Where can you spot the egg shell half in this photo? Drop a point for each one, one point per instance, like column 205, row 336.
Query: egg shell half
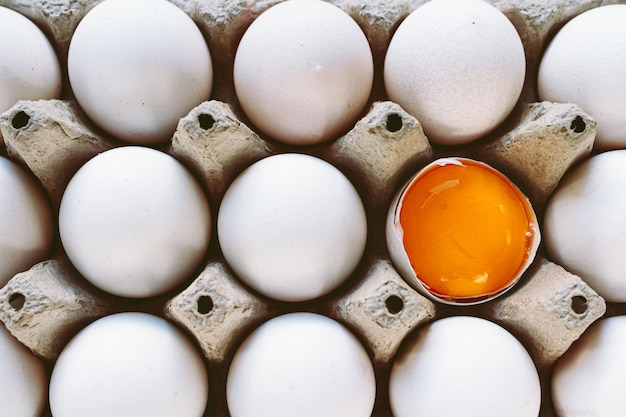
column 397, row 252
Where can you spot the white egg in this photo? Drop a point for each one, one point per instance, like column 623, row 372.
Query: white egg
column 23, row 380
column 584, row 223
column 136, row 67
column 128, row 365
column 458, row 66
column 301, row 364
column 585, row 64
column 303, row 72
column 464, row 366
column 292, row 227
column 26, row 224
column 135, row 222
column 30, row 68
column 589, row 379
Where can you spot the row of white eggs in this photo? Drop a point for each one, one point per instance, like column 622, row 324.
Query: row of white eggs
column 410, row 406
column 458, row 67
column 131, row 364
column 297, row 363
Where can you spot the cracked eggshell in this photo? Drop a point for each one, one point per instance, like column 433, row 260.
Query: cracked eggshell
column 395, row 246
column 398, row 254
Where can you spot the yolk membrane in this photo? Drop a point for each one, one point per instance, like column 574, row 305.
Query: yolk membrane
column 466, row 230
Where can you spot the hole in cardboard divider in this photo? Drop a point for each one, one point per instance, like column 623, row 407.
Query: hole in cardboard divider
column 579, row 304
column 17, row 300
column 394, row 304
column 206, row 121
column 394, row 122
column 20, row 120
column 205, row 304
column 578, row 125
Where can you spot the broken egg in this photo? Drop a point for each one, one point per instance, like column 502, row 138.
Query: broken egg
column 461, row 232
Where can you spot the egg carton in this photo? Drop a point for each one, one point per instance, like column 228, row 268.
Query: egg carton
column 548, row 310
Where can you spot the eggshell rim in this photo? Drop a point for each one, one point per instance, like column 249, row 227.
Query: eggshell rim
column 401, row 261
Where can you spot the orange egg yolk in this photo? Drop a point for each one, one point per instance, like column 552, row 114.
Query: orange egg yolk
column 466, row 230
